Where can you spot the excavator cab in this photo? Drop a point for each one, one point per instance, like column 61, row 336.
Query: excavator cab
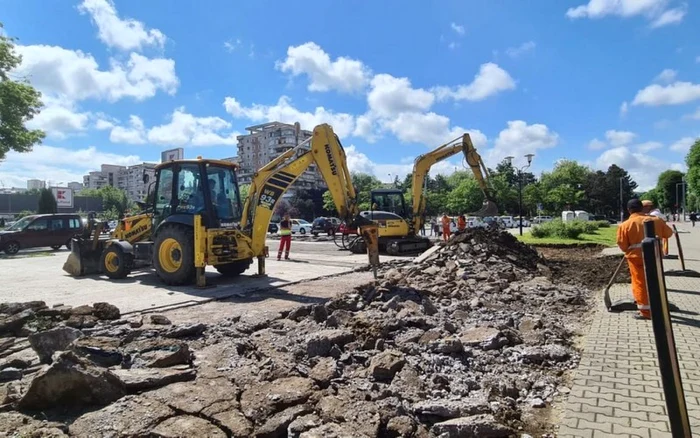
column 391, row 200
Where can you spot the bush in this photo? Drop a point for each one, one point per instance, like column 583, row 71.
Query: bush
column 590, row 227
column 558, row 228
column 603, row 224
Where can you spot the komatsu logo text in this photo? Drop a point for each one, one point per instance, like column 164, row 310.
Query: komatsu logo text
column 135, row 231
column 331, row 161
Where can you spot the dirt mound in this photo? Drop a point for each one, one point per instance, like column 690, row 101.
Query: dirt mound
column 480, row 242
column 584, row 266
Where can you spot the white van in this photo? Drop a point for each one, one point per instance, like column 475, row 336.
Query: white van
column 508, row 221
column 541, row 219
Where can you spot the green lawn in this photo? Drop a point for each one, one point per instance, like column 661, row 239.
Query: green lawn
column 604, row 236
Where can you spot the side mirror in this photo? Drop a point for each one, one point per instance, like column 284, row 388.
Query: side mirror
column 146, row 177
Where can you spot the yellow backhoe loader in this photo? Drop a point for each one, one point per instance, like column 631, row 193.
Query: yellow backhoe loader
column 197, row 218
column 398, row 227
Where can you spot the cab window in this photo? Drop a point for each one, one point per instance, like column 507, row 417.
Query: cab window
column 38, row 225
column 74, row 223
column 223, row 190
column 189, row 192
column 164, row 192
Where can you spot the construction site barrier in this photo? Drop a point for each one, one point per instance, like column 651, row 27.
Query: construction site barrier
column 663, row 334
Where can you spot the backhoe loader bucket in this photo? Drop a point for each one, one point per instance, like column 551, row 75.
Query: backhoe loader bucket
column 83, row 259
column 488, row 209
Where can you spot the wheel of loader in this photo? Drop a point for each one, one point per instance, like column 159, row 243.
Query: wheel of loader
column 234, row 269
column 114, row 263
column 173, row 254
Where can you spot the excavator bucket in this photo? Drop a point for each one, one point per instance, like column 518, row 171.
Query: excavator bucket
column 370, row 234
column 83, row 259
column 488, row 209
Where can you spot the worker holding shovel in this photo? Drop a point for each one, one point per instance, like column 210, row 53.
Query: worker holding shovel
column 629, row 239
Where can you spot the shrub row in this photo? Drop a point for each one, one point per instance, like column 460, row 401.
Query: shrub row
column 567, row 230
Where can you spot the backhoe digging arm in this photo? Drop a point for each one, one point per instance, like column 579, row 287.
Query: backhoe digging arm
column 272, row 181
column 483, row 177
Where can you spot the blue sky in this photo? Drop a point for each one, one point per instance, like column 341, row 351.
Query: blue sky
column 599, row 81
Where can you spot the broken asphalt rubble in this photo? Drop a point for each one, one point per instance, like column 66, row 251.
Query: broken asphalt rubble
column 472, row 340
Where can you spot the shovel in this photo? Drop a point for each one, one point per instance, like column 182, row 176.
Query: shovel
column 606, row 296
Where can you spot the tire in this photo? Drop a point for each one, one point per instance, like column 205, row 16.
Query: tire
column 173, row 255
column 315, row 234
column 234, row 269
column 302, row 231
column 114, row 263
column 56, row 247
column 12, row 248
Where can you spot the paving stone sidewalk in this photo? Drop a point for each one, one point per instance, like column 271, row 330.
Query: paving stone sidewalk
column 617, row 388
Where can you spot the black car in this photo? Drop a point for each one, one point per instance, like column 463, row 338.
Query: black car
column 272, row 228
column 328, row 225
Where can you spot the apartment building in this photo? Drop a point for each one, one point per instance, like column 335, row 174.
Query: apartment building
column 127, row 178
column 264, row 143
column 35, row 184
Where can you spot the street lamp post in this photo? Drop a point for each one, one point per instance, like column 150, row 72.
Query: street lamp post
column 520, row 187
column 681, row 204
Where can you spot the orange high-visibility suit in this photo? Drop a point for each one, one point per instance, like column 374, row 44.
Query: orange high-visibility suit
column 629, row 238
column 446, row 233
column 461, row 223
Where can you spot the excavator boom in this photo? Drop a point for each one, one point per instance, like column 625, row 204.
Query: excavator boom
column 272, row 181
column 424, row 162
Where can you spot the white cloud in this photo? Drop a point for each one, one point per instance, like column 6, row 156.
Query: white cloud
column 344, row 74
column 102, row 124
column 697, row 59
column 283, row 111
column 186, row 129
column 522, row 49
column 622, row 8
column 683, row 145
column 429, row 129
column 74, row 75
column 671, row 16
column 693, row 116
column 134, row 134
column 490, row 80
column 232, row 45
column 360, row 162
column 667, row 75
column 619, row 138
column 624, row 108
column 596, row 145
column 519, row 139
column 59, row 119
column 649, row 146
column 673, row 94
column 389, row 96
column 365, row 128
column 123, row 34
column 56, row 164
column 459, row 29
column 643, row 168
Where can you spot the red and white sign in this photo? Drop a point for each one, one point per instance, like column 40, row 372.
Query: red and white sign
column 64, row 196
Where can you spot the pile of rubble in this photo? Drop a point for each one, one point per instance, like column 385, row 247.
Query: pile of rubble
column 468, row 341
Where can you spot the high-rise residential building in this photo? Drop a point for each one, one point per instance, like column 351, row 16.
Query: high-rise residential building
column 35, row 184
column 128, row 178
column 265, row 142
column 75, row 186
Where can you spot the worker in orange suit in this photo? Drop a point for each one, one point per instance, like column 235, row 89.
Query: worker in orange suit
column 629, row 239
column 461, row 223
column 446, row 233
column 652, row 211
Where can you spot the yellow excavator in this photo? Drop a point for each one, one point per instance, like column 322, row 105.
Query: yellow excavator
column 398, row 227
column 197, row 218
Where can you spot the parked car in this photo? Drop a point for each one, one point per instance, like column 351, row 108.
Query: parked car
column 508, row 221
column 541, row 219
column 272, row 228
column 475, row 222
column 516, row 222
column 301, row 226
column 599, row 217
column 52, row 230
column 328, row 225
column 344, row 229
column 494, row 222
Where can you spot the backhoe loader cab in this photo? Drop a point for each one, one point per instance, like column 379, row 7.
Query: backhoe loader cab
column 389, row 200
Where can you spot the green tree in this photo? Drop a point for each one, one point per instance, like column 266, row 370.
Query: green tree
column 19, row 103
column 24, row 213
column 692, row 161
column 89, row 193
column 114, row 199
column 666, row 186
column 47, row 202
column 654, row 195
column 244, row 189
column 464, row 198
